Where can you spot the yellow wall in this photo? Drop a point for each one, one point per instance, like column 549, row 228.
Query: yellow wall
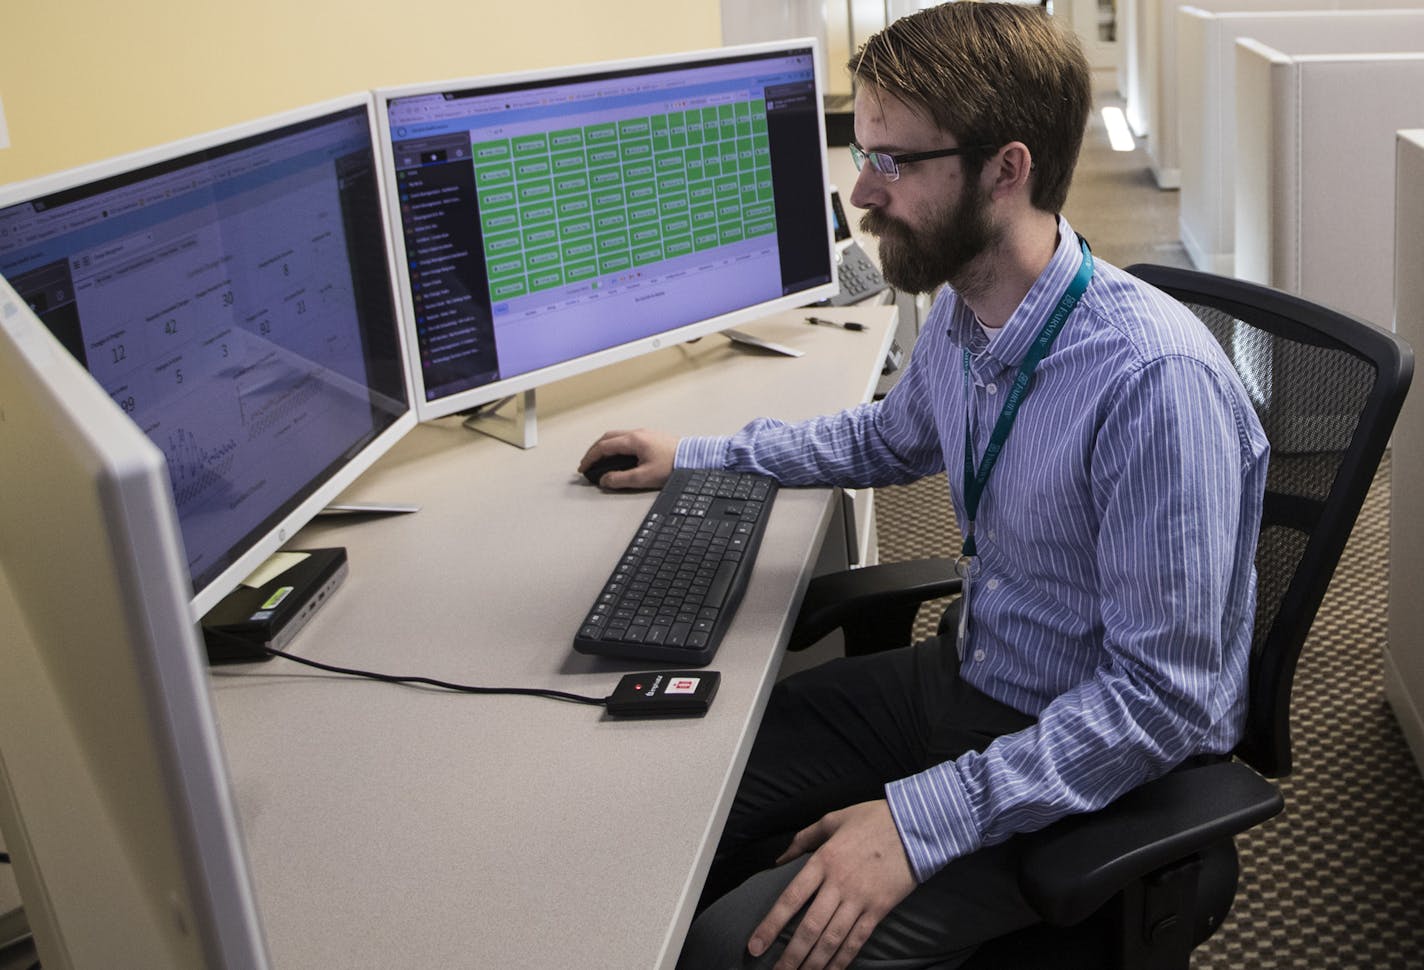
column 83, row 80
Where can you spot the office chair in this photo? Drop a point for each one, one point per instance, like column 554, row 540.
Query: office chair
column 1146, row 879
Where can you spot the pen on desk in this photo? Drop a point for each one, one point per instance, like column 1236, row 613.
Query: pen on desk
column 835, row 323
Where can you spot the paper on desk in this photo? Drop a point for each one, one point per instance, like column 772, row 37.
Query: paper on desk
column 276, row 565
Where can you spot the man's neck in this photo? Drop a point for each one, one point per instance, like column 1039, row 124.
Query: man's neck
column 998, row 280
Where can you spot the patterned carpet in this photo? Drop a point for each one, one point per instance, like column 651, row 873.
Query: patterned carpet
column 1337, row 881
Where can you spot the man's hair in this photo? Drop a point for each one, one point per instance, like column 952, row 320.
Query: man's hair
column 990, row 74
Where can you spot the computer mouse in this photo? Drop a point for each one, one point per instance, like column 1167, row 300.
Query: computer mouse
column 609, row 463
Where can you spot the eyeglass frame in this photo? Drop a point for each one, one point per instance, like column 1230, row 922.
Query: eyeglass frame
column 860, row 156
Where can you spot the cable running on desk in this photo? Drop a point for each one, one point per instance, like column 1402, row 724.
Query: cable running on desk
column 418, row 680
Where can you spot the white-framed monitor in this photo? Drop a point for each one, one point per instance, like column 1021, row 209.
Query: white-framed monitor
column 233, row 293
column 549, row 222
column 114, row 798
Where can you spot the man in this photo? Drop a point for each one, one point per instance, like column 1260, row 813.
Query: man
column 1110, row 515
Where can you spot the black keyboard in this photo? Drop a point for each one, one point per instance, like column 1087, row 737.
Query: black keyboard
column 673, row 593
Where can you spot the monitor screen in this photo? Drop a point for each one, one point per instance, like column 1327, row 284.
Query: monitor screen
column 115, row 803
column 233, row 295
column 550, row 222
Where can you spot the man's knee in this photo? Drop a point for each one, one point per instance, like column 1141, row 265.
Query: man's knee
column 718, row 937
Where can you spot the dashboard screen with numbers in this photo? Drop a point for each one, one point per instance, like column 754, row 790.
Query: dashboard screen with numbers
column 233, row 295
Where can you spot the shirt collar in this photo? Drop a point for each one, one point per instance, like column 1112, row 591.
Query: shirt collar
column 1023, row 326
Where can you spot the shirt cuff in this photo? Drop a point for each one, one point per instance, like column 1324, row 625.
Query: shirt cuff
column 695, row 452
column 934, row 818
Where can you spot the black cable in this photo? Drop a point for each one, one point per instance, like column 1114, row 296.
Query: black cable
column 557, row 695
column 5, row 858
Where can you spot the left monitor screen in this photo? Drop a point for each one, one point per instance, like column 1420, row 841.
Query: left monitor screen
column 236, row 302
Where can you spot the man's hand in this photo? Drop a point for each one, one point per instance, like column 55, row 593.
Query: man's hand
column 858, row 873
column 654, row 450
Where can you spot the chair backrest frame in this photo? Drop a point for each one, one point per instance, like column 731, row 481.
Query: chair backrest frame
column 1265, row 744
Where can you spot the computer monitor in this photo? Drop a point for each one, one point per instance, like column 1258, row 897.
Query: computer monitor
column 233, row 294
column 549, row 222
column 114, row 799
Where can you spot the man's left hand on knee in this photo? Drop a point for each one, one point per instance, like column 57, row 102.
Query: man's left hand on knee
column 857, row 874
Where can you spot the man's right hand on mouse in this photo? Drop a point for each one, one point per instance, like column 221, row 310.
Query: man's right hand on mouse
column 653, row 449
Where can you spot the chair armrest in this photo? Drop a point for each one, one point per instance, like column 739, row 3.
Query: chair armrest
column 879, row 596
column 1074, row 866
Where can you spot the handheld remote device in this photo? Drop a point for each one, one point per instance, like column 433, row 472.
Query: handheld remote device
column 664, row 693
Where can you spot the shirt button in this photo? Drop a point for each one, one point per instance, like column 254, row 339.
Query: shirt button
column 978, row 656
column 992, row 388
column 993, row 584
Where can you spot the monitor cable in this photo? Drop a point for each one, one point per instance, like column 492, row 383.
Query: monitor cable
column 643, row 694
column 557, row 695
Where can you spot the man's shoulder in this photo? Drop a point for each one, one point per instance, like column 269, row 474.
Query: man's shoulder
column 1137, row 329
column 1147, row 323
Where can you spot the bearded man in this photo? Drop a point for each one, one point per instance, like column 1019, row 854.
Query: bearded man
column 1110, row 514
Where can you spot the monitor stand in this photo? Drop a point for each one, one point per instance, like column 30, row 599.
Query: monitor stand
column 749, row 340
column 520, row 428
column 364, row 510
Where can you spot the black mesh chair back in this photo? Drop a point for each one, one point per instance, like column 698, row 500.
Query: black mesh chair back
column 1327, row 388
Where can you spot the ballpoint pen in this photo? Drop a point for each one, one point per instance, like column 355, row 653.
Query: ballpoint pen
column 836, row 323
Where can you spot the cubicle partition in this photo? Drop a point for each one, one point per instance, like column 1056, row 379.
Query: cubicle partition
column 1206, row 89
column 1152, row 97
column 1314, row 163
column 1404, row 651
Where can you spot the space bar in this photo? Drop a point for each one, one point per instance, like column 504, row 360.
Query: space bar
column 721, row 582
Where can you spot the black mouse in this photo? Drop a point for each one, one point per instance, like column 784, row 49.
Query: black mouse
column 609, row 463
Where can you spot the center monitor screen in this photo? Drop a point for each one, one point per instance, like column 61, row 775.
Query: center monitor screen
column 546, row 220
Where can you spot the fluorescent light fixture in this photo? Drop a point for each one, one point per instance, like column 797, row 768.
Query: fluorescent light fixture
column 1119, row 135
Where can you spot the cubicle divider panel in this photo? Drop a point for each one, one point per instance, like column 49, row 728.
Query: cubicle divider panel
column 1403, row 658
column 1158, row 86
column 1315, row 214
column 1206, row 89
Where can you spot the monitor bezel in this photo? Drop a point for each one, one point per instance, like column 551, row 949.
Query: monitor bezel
column 114, row 790
column 204, row 599
column 462, row 401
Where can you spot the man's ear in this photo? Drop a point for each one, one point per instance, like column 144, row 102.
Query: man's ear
column 1008, row 170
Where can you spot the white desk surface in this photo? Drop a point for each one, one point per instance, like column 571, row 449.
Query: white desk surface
column 394, row 826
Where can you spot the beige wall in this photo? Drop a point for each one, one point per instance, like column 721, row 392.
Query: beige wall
column 83, row 80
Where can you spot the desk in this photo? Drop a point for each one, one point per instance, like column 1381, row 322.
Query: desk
column 393, row 826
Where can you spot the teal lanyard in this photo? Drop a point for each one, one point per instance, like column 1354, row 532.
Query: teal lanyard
column 975, row 480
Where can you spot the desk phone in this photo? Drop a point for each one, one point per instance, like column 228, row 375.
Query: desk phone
column 859, row 276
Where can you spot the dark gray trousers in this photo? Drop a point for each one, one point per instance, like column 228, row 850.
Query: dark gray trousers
column 832, row 737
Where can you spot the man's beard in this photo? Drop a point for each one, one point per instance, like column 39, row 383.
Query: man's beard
column 917, row 261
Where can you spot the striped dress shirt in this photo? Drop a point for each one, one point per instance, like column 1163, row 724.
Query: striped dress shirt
column 1116, row 588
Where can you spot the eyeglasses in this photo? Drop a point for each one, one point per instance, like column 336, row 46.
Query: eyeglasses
column 887, row 165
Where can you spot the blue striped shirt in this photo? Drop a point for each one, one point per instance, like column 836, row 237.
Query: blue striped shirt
column 1116, row 538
